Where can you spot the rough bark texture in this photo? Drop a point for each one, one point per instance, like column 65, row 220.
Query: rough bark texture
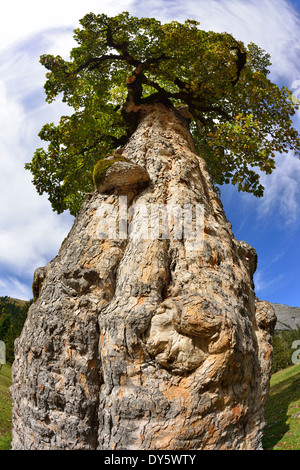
column 145, row 344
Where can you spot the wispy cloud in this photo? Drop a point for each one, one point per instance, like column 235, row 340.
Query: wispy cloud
column 266, row 282
column 30, row 232
column 282, row 192
column 16, row 288
column 20, row 19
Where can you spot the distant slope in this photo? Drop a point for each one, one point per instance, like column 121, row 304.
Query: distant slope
column 18, row 301
column 288, row 318
column 13, row 301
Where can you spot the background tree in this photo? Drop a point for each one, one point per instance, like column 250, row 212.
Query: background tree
column 12, row 318
column 240, row 119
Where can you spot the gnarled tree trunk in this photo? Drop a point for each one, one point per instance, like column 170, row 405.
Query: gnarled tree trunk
column 146, row 342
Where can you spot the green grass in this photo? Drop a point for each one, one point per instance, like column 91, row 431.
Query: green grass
column 283, row 411
column 5, row 408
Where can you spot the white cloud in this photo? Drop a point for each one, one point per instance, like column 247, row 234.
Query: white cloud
column 266, row 282
column 19, row 18
column 29, row 229
column 282, row 191
column 16, row 289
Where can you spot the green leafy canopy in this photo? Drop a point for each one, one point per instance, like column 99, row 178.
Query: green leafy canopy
column 240, row 118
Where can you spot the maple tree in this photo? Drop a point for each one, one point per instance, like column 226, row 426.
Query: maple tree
column 240, row 118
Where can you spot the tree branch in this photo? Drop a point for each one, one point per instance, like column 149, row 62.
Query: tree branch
column 180, row 83
column 135, row 81
column 241, row 62
column 95, row 62
column 123, row 47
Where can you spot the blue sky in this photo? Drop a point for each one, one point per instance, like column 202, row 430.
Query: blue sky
column 31, row 233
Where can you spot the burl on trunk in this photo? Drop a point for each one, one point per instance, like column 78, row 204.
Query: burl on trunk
column 146, row 342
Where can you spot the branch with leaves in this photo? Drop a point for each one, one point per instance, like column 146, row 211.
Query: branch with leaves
column 241, row 120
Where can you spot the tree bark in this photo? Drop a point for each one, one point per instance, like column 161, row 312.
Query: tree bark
column 144, row 343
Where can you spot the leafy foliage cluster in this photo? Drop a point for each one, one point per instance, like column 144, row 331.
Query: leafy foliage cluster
column 240, row 118
column 282, row 348
column 12, row 318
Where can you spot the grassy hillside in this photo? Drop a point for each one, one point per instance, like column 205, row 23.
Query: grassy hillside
column 283, row 411
column 18, row 302
column 5, row 408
